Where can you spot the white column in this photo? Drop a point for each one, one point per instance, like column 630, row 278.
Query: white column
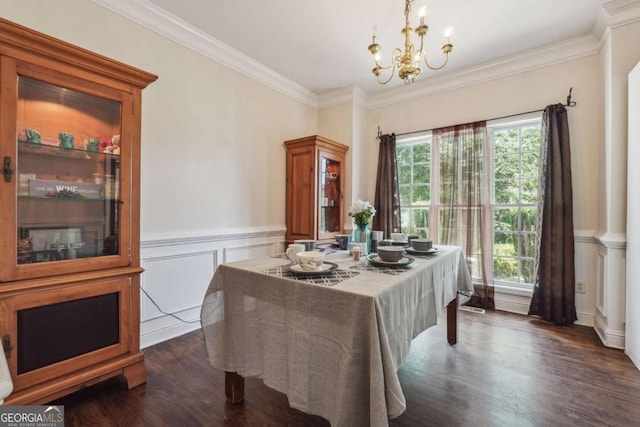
column 632, row 326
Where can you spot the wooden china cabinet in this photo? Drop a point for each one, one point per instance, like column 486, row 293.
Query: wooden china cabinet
column 315, row 188
column 69, row 224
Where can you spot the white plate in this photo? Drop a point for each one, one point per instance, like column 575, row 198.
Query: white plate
column 327, row 267
column 376, row 260
column 428, row 252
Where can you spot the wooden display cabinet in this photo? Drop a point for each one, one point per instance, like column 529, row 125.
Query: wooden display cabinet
column 315, row 188
column 69, row 251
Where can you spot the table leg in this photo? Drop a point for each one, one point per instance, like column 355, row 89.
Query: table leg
column 234, row 387
column 452, row 321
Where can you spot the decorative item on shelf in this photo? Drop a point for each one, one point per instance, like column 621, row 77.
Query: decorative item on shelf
column 408, row 61
column 110, row 187
column 115, row 145
column 105, row 145
column 64, row 189
column 25, row 248
column 110, row 145
column 33, row 136
column 362, row 212
column 92, row 144
column 66, row 140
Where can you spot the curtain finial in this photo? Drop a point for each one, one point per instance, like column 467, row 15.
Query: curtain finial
column 570, row 103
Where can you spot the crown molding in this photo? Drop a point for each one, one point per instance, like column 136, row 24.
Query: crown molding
column 615, row 13
column 556, row 53
column 566, row 50
column 167, row 25
column 622, row 12
column 343, row 95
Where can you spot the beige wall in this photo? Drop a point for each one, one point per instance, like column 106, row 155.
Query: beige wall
column 516, row 94
column 212, row 153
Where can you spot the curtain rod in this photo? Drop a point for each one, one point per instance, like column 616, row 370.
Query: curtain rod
column 569, row 103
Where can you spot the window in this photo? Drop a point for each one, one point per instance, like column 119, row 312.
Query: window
column 414, row 181
column 512, row 159
column 516, row 155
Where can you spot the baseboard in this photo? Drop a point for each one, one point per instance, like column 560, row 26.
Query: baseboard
column 152, row 336
column 610, row 338
column 512, row 303
column 585, row 319
column 520, row 305
column 635, row 357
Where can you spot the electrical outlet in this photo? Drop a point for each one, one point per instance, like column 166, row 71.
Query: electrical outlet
column 580, row 288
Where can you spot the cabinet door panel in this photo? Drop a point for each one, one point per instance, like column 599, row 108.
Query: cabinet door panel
column 71, row 147
column 302, row 195
column 330, row 202
column 62, row 330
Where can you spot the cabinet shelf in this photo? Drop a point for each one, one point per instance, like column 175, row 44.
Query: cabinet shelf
column 30, row 148
column 65, row 199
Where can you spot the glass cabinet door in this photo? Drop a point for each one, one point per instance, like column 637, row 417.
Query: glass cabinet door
column 330, row 198
column 68, row 174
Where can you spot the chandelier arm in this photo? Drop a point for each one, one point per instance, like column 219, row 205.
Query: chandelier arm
column 394, row 62
column 421, row 51
column 436, row 68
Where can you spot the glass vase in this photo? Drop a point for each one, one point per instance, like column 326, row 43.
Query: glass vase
column 362, row 234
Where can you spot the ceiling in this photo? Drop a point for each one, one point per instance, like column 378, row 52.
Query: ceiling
column 322, row 44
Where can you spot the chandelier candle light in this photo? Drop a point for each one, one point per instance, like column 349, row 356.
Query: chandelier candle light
column 408, row 62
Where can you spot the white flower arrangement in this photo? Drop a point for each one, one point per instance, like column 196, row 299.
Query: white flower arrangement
column 362, row 212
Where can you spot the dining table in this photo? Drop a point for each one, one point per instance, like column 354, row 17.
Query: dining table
column 331, row 341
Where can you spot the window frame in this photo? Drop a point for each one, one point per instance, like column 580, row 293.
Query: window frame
column 522, row 120
column 410, row 140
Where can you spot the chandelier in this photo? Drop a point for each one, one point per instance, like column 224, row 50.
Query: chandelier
column 408, row 62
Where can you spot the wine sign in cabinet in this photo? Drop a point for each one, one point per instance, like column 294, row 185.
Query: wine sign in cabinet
column 315, row 188
column 69, row 226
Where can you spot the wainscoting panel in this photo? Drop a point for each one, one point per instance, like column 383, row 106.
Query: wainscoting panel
column 178, row 270
column 249, row 251
column 610, row 303
column 177, row 273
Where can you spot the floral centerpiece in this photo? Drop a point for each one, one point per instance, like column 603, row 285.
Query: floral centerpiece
column 362, row 212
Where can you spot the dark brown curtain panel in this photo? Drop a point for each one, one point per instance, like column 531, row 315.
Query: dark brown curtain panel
column 462, row 209
column 554, row 291
column 387, row 200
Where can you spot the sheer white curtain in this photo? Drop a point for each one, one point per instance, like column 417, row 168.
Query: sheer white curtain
column 463, row 210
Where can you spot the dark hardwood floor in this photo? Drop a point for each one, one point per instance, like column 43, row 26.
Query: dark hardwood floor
column 506, row 370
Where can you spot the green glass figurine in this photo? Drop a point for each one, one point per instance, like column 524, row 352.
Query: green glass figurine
column 66, row 139
column 33, row 136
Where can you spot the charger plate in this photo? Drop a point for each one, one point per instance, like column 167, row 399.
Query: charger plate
column 417, row 252
column 325, row 268
column 403, row 262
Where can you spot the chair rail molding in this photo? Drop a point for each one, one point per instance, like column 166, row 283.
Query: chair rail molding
column 611, row 240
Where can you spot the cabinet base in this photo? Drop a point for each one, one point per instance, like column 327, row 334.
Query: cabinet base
column 131, row 367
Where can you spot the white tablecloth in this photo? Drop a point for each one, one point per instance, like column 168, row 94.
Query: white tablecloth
column 333, row 350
